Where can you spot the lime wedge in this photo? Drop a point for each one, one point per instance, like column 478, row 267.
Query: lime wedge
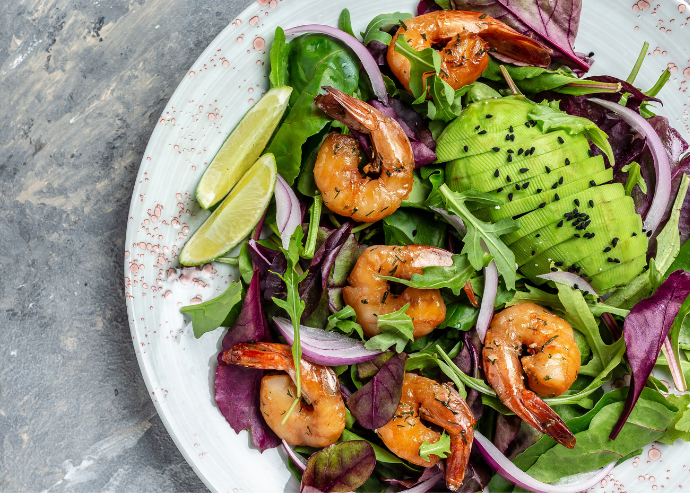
column 235, row 217
column 243, row 147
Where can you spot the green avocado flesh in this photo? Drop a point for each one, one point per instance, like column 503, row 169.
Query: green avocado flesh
column 571, row 217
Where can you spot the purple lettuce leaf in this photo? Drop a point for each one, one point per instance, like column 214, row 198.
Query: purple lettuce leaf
column 507, row 428
column 312, row 288
column 477, row 477
column 428, row 473
column 468, row 361
column 427, row 6
column 527, row 436
column 340, row 467
column 342, row 266
column 644, row 332
column 376, row 402
column 237, row 388
column 368, row 369
column 553, row 24
column 379, row 51
column 268, row 262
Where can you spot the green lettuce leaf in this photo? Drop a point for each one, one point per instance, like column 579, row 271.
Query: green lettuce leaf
column 680, row 426
column 385, row 21
column 414, row 227
column 221, row 311
column 344, row 321
column 396, row 330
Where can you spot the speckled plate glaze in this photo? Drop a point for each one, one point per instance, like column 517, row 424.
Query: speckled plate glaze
column 216, row 91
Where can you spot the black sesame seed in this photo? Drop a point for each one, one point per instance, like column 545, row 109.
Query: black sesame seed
column 477, row 127
column 510, row 129
column 510, row 151
column 577, row 202
column 560, row 181
column 593, row 183
column 527, row 124
column 577, row 269
column 548, row 170
column 591, row 235
column 616, row 260
column 496, row 173
column 500, row 189
column 517, row 186
column 579, row 226
column 510, row 196
column 576, row 286
column 634, row 234
column 560, row 224
column 567, row 162
column 576, row 235
column 607, row 249
column 489, row 116
column 531, row 151
column 507, row 136
column 481, row 132
column 538, row 190
column 575, row 211
column 524, row 170
column 525, row 185
column 520, row 151
column 609, row 260
column 553, row 269
column 495, row 149
column 512, row 138
column 508, row 178
column 556, row 197
column 585, row 293
column 533, row 252
column 542, row 205
column 465, row 148
column 559, row 263
column 591, row 153
column 614, row 242
column 587, row 223
column 591, row 203
column 510, row 158
column 537, row 235
column 554, row 186
column 649, row 234
column 560, row 140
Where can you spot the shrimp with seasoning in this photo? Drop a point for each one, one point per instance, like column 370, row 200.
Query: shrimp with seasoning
column 551, row 367
column 371, row 296
column 467, row 37
column 426, row 399
column 320, row 420
column 377, row 190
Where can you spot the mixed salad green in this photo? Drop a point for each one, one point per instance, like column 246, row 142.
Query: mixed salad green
column 605, row 248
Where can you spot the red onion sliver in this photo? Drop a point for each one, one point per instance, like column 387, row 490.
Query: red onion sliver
column 368, row 63
column 454, row 220
column 662, row 193
column 426, row 485
column 510, row 472
column 676, row 372
column 296, row 458
column 288, row 214
column 486, row 312
column 570, row 279
column 326, row 347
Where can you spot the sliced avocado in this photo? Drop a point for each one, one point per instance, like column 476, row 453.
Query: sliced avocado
column 518, row 190
column 619, row 275
column 481, row 143
column 553, row 212
column 606, row 223
column 598, row 261
column 539, row 200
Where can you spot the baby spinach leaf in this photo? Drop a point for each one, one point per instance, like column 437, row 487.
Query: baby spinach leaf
column 441, row 448
column 421, row 62
column 217, row 312
column 314, row 61
column 376, row 402
column 382, row 455
column 436, row 277
column 460, row 315
column 343, row 466
column 344, row 322
column 396, row 330
column 479, row 231
column 680, row 426
column 383, row 21
column 245, row 263
column 280, row 53
column 551, row 118
column 419, row 193
column 413, row 227
column 344, row 22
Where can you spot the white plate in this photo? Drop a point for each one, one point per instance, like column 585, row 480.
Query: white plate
column 217, row 90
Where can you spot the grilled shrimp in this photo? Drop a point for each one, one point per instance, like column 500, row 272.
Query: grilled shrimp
column 385, row 182
column 320, row 420
column 467, row 38
column 371, row 296
column 551, row 367
column 440, row 404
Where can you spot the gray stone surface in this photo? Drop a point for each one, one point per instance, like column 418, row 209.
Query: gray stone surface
column 82, row 83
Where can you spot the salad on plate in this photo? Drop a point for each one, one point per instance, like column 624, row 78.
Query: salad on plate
column 459, row 259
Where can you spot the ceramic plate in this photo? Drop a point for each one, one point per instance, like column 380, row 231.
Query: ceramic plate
column 223, row 83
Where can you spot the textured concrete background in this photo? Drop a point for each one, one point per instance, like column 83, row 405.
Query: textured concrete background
column 82, row 83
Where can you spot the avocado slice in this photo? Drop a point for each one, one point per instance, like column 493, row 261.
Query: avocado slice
column 619, row 275
column 554, row 211
column 483, row 142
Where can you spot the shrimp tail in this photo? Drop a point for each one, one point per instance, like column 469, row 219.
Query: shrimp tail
column 456, row 463
column 516, row 46
column 347, row 110
column 260, row 355
column 531, row 408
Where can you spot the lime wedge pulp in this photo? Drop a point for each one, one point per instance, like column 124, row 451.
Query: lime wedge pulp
column 243, row 147
column 235, row 217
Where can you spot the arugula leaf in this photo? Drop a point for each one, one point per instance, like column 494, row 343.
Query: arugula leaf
column 396, row 329
column 217, row 312
column 382, row 21
column 535, row 295
column 440, row 448
column 280, row 52
column 413, row 227
column 446, row 100
column 668, row 241
column 437, row 177
column 314, row 230
column 634, row 178
column 680, row 426
column 421, row 62
column 682, row 261
column 344, row 23
column 577, row 312
column 344, row 322
column 551, row 118
column 293, row 305
column 314, row 61
column 480, row 231
column 436, row 277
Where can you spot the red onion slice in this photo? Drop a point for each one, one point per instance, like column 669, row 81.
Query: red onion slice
column 662, row 193
column 368, row 63
column 452, row 219
column 570, row 279
column 510, row 472
column 674, row 368
column 288, row 214
column 295, row 457
column 325, row 347
column 486, row 312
